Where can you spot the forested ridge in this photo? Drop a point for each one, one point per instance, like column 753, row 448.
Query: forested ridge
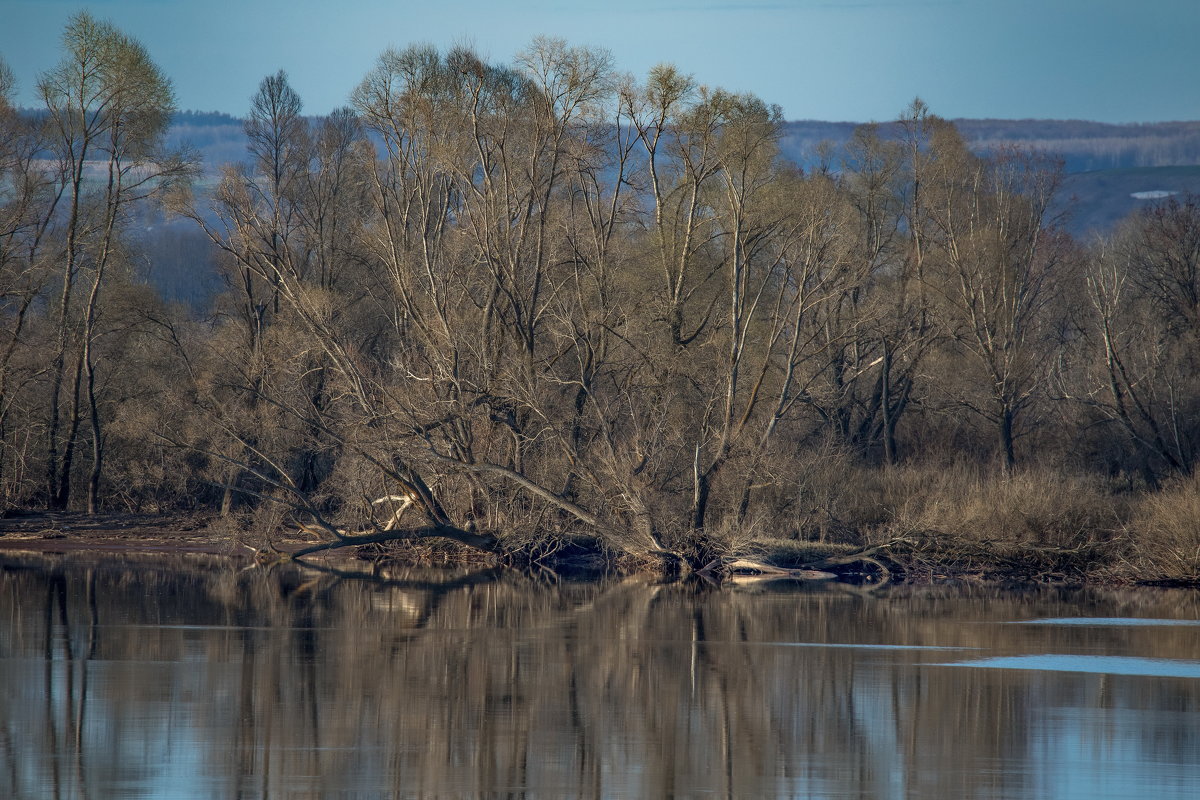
column 523, row 306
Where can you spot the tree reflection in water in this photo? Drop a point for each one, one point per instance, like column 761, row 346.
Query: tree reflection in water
column 133, row 678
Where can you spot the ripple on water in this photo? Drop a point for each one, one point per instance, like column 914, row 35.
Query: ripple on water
column 1110, row 665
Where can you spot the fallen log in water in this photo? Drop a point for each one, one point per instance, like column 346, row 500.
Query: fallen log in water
column 745, row 570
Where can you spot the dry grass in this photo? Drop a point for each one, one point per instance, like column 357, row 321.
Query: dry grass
column 1030, row 507
column 1031, row 524
column 1166, row 532
column 961, row 519
column 1034, row 523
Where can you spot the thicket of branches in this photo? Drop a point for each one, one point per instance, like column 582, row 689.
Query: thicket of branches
column 501, row 303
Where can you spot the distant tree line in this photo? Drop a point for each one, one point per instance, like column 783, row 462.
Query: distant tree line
column 498, row 303
column 1083, row 146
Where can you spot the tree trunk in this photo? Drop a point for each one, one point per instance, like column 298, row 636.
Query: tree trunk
column 1006, row 439
column 885, row 405
column 700, row 493
column 97, row 443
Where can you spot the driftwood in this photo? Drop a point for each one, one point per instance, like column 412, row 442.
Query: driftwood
column 404, row 500
column 866, row 556
column 745, row 568
column 475, row 540
column 742, row 569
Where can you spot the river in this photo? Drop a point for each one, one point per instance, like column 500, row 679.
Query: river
column 176, row 678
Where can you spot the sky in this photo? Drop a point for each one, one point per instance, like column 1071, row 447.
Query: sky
column 840, row 60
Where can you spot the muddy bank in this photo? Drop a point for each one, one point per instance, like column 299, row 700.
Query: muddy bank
column 48, row 532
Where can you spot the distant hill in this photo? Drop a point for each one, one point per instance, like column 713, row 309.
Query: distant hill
column 1112, row 169
column 1088, row 146
column 1095, row 201
column 218, row 138
column 1085, row 146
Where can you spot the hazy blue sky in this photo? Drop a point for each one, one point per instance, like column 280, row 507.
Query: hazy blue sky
column 1112, row 60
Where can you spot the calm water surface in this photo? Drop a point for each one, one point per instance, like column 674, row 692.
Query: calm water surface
column 188, row 679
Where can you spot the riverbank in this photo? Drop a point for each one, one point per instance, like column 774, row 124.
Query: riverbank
column 919, row 556
column 62, row 532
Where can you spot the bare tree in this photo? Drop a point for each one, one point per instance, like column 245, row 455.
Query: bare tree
column 26, row 215
column 1144, row 287
column 999, row 276
column 108, row 108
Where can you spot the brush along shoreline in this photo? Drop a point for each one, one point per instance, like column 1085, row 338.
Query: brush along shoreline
column 915, row 556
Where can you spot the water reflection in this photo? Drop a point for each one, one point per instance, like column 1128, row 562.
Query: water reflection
column 129, row 679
